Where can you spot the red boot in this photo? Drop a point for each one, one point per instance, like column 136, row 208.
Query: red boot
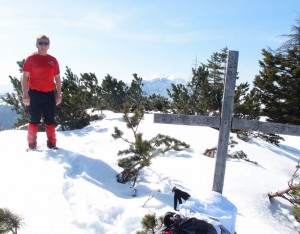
column 32, row 135
column 51, row 136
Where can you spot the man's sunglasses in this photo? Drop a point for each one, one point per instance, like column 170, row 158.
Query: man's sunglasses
column 42, row 43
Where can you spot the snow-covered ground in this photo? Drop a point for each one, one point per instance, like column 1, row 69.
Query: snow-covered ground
column 74, row 189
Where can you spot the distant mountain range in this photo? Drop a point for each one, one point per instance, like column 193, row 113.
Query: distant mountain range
column 7, row 116
column 159, row 86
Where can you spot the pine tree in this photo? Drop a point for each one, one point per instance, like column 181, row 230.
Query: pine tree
column 200, row 97
column 114, row 93
column 135, row 94
column 157, row 103
column 294, row 38
column 92, row 90
column 292, row 193
column 278, row 83
column 77, row 99
column 150, row 223
column 9, row 222
column 204, row 93
column 278, row 86
column 180, row 97
column 246, row 104
column 141, row 151
column 216, row 67
column 15, row 99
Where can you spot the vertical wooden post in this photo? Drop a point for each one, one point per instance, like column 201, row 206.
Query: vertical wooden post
column 226, row 118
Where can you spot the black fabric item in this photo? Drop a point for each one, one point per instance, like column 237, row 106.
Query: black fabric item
column 193, row 226
column 170, row 218
column 178, row 196
column 42, row 104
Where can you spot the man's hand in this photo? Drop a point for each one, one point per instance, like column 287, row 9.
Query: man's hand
column 58, row 100
column 26, row 100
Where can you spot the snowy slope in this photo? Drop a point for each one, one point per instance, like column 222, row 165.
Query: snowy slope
column 74, row 189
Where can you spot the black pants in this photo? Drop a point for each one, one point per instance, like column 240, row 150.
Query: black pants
column 42, row 104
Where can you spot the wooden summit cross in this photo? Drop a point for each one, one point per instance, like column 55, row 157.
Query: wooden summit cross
column 225, row 123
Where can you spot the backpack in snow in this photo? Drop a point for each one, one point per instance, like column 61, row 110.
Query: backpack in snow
column 171, row 218
column 192, row 225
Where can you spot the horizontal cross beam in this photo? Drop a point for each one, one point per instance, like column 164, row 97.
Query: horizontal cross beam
column 192, row 120
column 240, row 124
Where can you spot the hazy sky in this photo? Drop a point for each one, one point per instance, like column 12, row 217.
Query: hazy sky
column 153, row 38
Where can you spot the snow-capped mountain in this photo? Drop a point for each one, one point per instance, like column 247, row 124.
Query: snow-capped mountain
column 159, row 86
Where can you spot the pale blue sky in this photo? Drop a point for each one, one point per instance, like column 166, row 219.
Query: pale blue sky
column 153, row 38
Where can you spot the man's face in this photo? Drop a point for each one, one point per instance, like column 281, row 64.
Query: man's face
column 42, row 45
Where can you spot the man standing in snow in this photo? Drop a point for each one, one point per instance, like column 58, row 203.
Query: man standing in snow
column 178, row 196
column 41, row 87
